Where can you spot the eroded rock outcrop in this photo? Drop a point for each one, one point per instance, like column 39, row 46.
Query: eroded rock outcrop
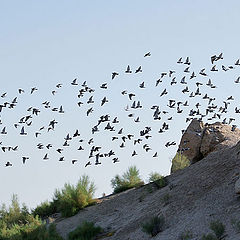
column 200, row 139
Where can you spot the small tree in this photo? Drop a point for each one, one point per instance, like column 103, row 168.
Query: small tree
column 218, row 228
column 154, row 176
column 154, row 225
column 180, row 161
column 129, row 179
column 86, row 231
column 73, row 198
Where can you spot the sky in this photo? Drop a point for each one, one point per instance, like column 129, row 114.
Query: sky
column 43, row 43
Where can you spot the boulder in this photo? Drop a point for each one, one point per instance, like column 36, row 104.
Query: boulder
column 190, row 143
column 217, row 136
column 200, row 139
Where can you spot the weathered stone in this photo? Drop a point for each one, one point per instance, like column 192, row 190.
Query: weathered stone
column 200, row 139
column 217, row 136
column 191, row 141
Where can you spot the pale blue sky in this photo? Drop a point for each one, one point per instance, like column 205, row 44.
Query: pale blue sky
column 43, row 43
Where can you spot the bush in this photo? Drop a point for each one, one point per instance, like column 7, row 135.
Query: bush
column 45, row 209
column 14, row 214
column 187, row 235
column 128, row 180
column 87, row 231
column 154, row 176
column 42, row 233
column 180, row 161
column 17, row 223
column 218, row 228
column 154, row 226
column 161, row 182
column 209, row 236
column 236, row 225
column 73, row 198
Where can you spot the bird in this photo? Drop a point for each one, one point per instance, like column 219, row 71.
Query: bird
column 139, row 69
column 115, row 160
column 8, row 164
column 183, row 80
column 33, row 90
column 213, row 69
column 141, row 85
column 76, row 134
column 164, row 92
column 202, row 72
column 128, row 70
column 131, row 95
column 59, row 150
column 134, row 153
column 237, row 80
column 59, row 85
column 148, row 54
column 103, row 101
column 22, row 131
column 104, row 86
column 114, row 74
column 88, row 164
column 74, row 82
column 20, row 91
column 180, row 60
column 90, row 110
column 61, row 110
column 187, row 61
column 4, row 131
column 24, row 159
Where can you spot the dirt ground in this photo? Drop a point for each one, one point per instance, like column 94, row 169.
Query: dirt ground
column 198, row 194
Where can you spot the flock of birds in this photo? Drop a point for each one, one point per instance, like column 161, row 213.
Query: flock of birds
column 106, row 122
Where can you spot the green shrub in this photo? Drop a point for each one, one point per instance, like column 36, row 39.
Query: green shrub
column 161, row 182
column 86, row 231
column 149, row 188
column 218, row 228
column 186, row 235
column 236, row 225
column 42, row 233
column 14, row 214
column 129, row 179
column 17, row 223
column 209, row 236
column 153, row 226
column 73, row 198
column 180, row 161
column 45, row 209
column 154, row 176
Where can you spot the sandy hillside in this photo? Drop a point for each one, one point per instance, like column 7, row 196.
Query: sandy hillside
column 199, row 194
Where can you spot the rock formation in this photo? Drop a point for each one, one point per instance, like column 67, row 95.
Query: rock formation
column 200, row 139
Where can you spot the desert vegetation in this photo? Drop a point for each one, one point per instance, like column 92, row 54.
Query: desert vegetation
column 218, row 228
column 86, row 231
column 68, row 200
column 154, row 225
column 17, row 223
column 129, row 179
column 179, row 162
column 186, row 235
